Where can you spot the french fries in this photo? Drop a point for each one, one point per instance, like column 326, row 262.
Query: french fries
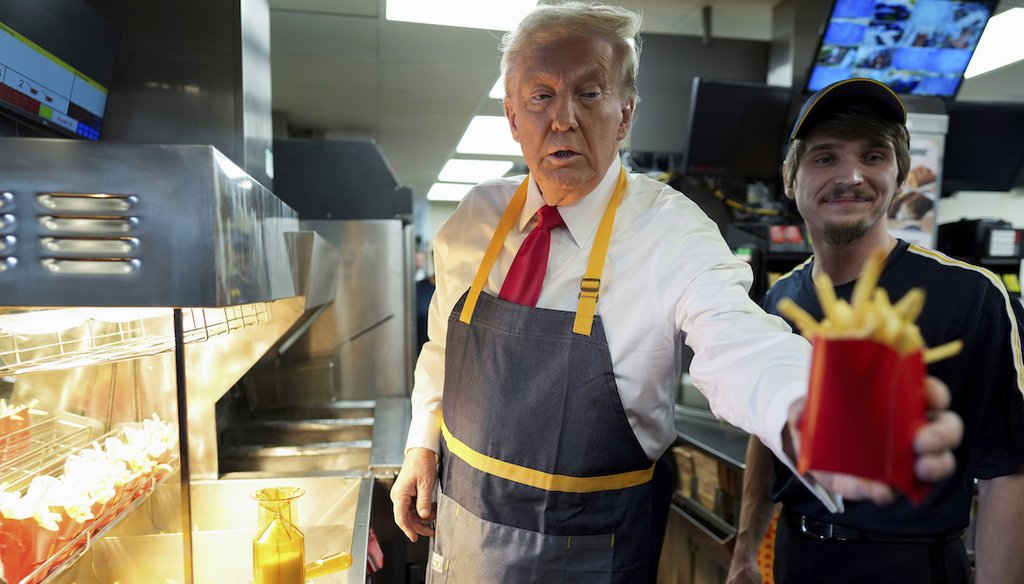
column 870, row 315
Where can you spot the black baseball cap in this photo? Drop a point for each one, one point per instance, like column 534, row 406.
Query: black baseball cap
column 835, row 98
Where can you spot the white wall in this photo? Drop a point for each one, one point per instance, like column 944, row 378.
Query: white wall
column 1008, row 206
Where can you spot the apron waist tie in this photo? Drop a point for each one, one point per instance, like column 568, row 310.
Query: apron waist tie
column 540, row 479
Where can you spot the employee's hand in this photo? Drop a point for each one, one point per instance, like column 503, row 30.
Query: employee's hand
column 413, row 491
column 743, row 574
column 934, row 443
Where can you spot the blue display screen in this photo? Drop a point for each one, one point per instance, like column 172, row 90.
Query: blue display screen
column 916, row 47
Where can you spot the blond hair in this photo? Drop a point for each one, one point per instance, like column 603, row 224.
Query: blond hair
column 619, row 26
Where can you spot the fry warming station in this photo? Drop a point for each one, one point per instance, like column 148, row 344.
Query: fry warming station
column 138, row 285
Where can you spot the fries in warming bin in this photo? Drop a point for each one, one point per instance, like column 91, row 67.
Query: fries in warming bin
column 57, row 498
column 867, row 387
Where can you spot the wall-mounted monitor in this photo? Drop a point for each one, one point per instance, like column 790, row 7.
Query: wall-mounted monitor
column 984, row 147
column 736, row 129
column 916, row 47
column 56, row 64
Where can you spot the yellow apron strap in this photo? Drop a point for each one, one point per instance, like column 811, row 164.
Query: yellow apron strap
column 591, row 283
column 540, row 479
column 515, row 207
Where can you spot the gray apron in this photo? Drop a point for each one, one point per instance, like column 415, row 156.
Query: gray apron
column 542, row 478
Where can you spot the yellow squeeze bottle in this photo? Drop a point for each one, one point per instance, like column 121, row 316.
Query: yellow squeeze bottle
column 324, row 566
column 278, row 550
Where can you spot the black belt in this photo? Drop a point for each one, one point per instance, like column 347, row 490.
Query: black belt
column 830, row 531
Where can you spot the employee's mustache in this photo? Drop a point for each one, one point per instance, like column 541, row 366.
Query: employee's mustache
column 839, row 193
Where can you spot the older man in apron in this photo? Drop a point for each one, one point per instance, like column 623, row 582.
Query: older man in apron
column 570, row 498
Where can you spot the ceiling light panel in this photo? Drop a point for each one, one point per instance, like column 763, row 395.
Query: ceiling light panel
column 498, row 89
column 473, row 171
column 489, row 135
column 999, row 45
column 447, row 191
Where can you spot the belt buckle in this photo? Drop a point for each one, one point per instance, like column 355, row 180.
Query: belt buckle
column 828, row 534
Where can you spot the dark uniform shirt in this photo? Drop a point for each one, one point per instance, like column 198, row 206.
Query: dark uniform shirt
column 986, row 381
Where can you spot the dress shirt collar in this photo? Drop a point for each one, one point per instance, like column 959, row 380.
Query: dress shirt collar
column 583, row 216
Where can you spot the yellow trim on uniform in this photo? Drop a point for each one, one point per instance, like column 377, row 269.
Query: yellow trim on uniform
column 543, row 480
column 591, row 283
column 798, row 268
column 1015, row 347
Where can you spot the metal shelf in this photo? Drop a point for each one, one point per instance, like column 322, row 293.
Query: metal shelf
column 34, row 553
column 50, row 340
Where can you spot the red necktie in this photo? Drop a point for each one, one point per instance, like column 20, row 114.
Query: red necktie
column 522, row 283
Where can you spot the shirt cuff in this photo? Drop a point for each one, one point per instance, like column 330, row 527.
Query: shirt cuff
column 425, row 432
column 779, row 410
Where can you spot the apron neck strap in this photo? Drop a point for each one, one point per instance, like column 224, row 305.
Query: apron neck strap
column 591, row 283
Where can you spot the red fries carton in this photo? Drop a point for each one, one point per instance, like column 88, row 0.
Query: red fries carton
column 866, row 398
column 864, row 405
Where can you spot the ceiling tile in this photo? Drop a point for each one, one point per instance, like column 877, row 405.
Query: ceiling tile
column 348, row 7
column 303, row 33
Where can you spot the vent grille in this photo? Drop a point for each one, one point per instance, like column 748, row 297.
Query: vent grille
column 91, row 234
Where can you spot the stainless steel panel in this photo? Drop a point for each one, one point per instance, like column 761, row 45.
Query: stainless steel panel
column 208, row 235
column 339, row 180
column 253, row 97
column 193, row 72
column 214, row 366
column 66, row 245
column 306, row 459
column 302, row 439
column 342, row 410
column 297, row 432
column 359, row 348
column 90, row 268
column 332, row 514
column 392, row 416
column 87, row 225
column 314, row 268
column 96, row 203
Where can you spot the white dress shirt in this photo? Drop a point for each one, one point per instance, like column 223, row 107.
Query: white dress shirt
column 669, row 278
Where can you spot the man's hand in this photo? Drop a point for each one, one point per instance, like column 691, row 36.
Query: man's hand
column 933, row 444
column 412, row 493
column 745, row 574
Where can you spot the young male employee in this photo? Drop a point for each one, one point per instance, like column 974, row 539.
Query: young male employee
column 849, row 155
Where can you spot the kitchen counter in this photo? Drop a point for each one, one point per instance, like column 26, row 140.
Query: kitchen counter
column 712, row 436
column 333, row 514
